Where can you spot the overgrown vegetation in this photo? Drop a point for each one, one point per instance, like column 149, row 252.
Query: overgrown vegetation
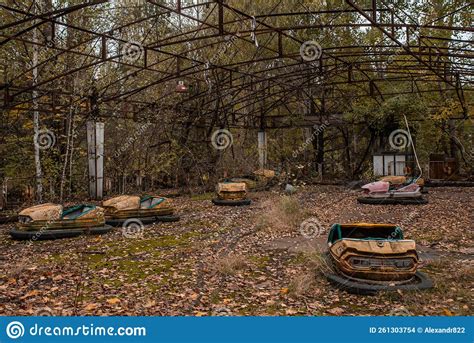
column 155, row 137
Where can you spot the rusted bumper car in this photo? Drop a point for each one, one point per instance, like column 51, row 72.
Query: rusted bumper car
column 367, row 258
column 379, row 193
column 147, row 209
column 397, row 182
column 231, row 194
column 260, row 180
column 52, row 221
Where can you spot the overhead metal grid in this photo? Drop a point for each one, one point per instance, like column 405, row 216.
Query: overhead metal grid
column 246, row 69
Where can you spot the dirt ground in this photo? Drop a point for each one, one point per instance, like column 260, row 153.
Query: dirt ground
column 239, row 261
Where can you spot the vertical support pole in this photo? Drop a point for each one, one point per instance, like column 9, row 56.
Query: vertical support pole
column 91, row 157
column 392, row 21
column 262, row 149
column 53, row 32
column 280, row 45
column 104, row 48
column 374, row 10
column 36, row 116
column 6, row 96
column 99, row 163
column 95, row 156
column 221, row 18
column 262, row 137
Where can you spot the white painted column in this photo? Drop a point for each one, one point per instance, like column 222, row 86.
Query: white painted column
column 99, row 140
column 91, row 158
column 262, row 149
column 95, row 155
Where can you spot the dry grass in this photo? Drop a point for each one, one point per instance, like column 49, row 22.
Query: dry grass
column 301, row 284
column 283, row 215
column 231, row 264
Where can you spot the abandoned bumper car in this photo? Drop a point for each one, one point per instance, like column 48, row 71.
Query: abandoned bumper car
column 260, row 180
column 367, row 258
column 52, row 221
column 147, row 209
column 397, row 182
column 231, row 194
column 381, row 192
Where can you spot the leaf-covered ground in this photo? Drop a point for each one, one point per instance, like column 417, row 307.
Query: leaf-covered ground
column 231, row 261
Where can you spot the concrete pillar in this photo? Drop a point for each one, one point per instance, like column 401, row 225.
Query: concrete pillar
column 95, row 154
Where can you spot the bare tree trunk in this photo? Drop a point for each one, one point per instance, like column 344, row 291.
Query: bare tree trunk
column 36, row 124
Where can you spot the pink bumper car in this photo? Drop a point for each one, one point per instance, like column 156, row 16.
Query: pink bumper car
column 379, row 193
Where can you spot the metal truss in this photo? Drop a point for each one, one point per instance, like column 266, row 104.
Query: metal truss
column 257, row 83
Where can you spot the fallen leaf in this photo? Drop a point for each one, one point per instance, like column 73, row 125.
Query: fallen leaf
column 113, row 301
column 149, row 304
column 337, row 311
column 447, row 312
column 30, row 294
column 90, row 307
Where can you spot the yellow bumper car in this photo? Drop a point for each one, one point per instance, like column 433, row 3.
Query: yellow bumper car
column 231, row 194
column 367, row 258
column 147, row 209
column 52, row 221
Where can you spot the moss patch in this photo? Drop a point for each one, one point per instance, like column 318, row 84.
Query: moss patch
column 203, row 196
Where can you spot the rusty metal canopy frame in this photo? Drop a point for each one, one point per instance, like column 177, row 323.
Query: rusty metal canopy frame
column 252, row 84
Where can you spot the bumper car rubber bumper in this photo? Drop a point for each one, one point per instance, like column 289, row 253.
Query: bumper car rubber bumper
column 143, row 220
column 223, row 202
column 392, row 201
column 420, row 281
column 58, row 233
